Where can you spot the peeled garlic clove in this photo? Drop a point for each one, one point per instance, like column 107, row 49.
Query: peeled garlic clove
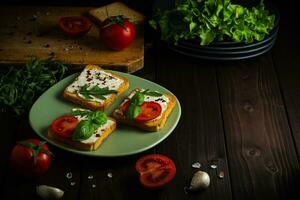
column 199, row 181
column 48, row 192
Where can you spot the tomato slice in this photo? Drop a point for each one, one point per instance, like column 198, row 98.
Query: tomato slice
column 150, row 110
column 155, row 170
column 75, row 25
column 125, row 106
column 64, row 126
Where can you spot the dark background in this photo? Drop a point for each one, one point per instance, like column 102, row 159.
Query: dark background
column 144, row 6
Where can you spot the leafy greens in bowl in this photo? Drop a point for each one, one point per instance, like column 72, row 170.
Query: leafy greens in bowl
column 213, row 21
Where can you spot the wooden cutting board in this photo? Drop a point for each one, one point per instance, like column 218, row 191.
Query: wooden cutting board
column 33, row 31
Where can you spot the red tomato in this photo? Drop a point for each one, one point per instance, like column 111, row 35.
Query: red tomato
column 64, row 126
column 27, row 163
column 155, row 170
column 117, row 32
column 125, row 106
column 150, row 110
column 75, row 25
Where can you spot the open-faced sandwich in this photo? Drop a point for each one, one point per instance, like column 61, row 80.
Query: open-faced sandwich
column 82, row 129
column 95, row 88
column 145, row 109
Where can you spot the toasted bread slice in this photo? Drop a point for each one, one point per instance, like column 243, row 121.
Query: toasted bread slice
column 93, row 75
column 114, row 9
column 167, row 102
column 93, row 142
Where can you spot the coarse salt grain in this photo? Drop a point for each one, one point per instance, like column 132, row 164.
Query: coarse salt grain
column 109, row 175
column 69, row 175
column 214, row 166
column 196, row 165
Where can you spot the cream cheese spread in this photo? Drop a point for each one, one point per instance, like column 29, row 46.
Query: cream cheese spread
column 92, row 77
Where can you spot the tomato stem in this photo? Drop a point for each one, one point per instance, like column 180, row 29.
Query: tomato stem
column 36, row 149
column 119, row 19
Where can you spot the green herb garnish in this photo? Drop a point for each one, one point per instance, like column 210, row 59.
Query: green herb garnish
column 86, row 128
column 95, row 91
column 81, row 112
column 137, row 100
column 151, row 93
column 213, row 20
column 20, row 87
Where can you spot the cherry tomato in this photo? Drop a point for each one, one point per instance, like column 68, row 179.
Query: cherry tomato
column 64, row 126
column 30, row 158
column 75, row 25
column 155, row 170
column 150, row 110
column 117, row 32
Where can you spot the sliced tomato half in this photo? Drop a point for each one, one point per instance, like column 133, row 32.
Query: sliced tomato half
column 125, row 106
column 75, row 25
column 155, row 170
column 150, row 110
column 64, row 126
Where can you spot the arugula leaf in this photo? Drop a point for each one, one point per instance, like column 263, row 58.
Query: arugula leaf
column 81, row 113
column 212, row 20
column 20, row 87
column 86, row 128
column 95, row 91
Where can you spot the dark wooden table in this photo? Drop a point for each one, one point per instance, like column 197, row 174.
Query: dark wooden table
column 244, row 115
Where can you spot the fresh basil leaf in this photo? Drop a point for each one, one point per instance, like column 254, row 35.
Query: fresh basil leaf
column 99, row 118
column 84, row 130
column 133, row 111
column 138, row 98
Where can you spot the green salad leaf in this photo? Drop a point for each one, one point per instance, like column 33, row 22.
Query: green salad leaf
column 213, row 20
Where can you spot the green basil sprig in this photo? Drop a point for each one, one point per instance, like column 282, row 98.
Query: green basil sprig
column 95, row 91
column 86, row 128
column 137, row 100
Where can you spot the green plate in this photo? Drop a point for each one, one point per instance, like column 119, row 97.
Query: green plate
column 123, row 141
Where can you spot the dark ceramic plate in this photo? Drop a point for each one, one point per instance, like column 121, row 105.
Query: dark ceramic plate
column 221, row 51
column 223, row 57
column 229, row 46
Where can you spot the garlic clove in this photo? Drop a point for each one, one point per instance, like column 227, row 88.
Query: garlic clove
column 199, row 181
column 49, row 192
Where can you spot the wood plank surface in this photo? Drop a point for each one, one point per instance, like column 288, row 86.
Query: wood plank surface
column 263, row 161
column 33, row 31
column 286, row 57
column 199, row 136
